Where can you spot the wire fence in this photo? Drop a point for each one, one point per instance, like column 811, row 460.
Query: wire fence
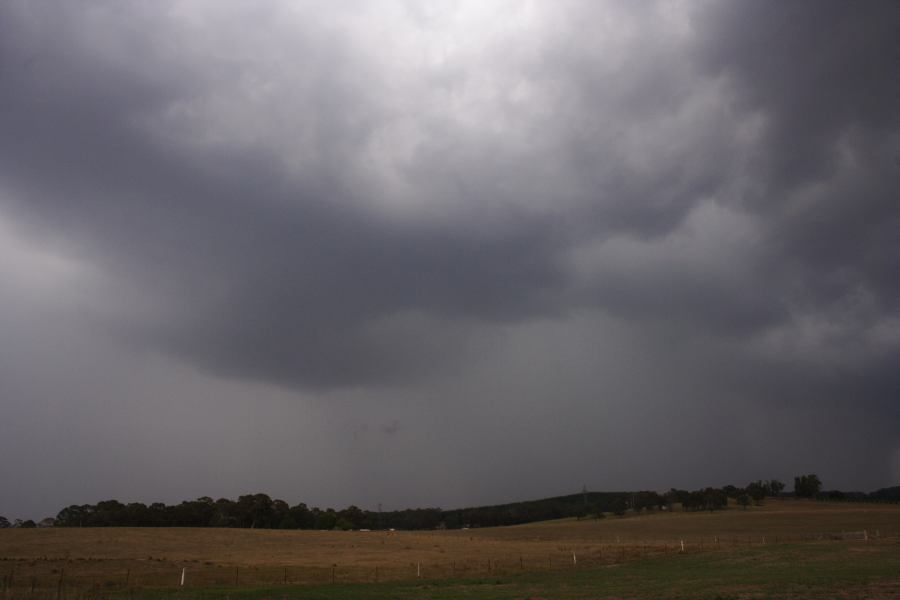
column 84, row 579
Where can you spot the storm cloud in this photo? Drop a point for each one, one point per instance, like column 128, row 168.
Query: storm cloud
column 458, row 242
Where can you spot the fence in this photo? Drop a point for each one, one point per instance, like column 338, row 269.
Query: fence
column 81, row 579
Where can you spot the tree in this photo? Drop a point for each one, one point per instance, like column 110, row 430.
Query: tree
column 74, row 516
column 109, row 513
column 326, row 520
column 224, row 514
column 714, row 499
column 775, row 487
column 757, row 490
column 281, row 512
column 353, row 515
column 674, row 496
column 743, row 499
column 619, row 506
column 255, row 511
column 807, row 486
column 302, row 516
column 4, row 523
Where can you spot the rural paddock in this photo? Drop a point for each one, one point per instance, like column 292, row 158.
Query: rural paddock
column 44, row 563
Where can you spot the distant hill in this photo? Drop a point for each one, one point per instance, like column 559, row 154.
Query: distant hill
column 889, row 494
column 559, row 507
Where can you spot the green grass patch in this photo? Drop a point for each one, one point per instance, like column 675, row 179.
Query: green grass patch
column 804, row 571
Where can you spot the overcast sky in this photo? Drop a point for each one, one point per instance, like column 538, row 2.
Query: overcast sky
column 445, row 253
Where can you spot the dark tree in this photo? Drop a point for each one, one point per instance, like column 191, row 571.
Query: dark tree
column 75, row 516
column 326, row 519
column 4, row 523
column 674, row 496
column 255, row 511
column 353, row 515
column 714, row 499
column 224, row 514
column 302, row 516
column 807, row 486
column 758, row 490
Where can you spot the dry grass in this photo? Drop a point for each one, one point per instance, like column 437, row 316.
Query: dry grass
column 115, row 557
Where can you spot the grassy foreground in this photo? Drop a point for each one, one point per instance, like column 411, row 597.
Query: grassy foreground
column 808, row 570
column 784, row 549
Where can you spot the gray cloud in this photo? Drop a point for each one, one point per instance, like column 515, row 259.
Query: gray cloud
column 671, row 219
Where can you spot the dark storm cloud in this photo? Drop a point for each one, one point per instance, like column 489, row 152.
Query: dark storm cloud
column 266, row 273
column 822, row 78
column 660, row 218
column 282, row 276
column 258, row 276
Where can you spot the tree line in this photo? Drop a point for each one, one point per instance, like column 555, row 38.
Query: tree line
column 253, row 511
column 263, row 512
column 260, row 511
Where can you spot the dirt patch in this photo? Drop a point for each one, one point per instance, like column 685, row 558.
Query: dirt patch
column 883, row 590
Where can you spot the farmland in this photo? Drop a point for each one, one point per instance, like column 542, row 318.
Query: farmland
column 845, row 547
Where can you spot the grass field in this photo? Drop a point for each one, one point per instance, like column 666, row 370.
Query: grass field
column 777, row 550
